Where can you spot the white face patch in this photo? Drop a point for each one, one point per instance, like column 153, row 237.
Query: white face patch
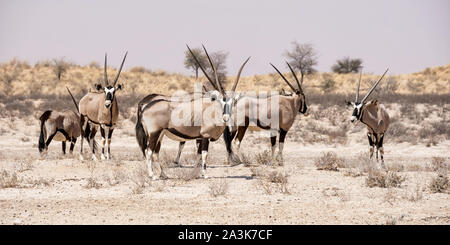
column 111, row 90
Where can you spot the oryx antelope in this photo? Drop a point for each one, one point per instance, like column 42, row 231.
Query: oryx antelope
column 206, row 120
column 60, row 126
column 100, row 109
column 374, row 116
column 288, row 105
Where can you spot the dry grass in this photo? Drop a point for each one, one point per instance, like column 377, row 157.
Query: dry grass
column 9, row 179
column 329, row 161
column 439, row 184
column 383, row 179
column 218, row 188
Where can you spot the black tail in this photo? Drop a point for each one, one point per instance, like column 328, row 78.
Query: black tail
column 228, row 137
column 43, row 118
column 141, row 137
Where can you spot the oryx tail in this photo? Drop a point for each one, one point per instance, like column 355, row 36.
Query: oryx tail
column 44, row 117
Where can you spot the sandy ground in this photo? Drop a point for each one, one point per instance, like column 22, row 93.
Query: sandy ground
column 54, row 189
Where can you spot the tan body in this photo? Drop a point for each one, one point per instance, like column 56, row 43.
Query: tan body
column 94, row 113
column 376, row 119
column 155, row 120
column 288, row 108
column 60, row 126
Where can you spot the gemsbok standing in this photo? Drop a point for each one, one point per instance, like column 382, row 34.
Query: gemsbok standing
column 206, row 119
column 257, row 113
column 60, row 126
column 100, row 109
column 374, row 116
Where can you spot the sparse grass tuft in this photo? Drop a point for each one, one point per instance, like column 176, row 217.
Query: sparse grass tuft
column 218, row 188
column 439, row 184
column 329, row 161
column 383, row 179
column 9, row 180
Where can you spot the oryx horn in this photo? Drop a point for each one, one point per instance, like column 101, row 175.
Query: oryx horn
column 290, row 85
column 105, row 73
column 373, row 87
column 215, row 72
column 201, row 67
column 238, row 76
column 295, row 76
column 120, row 69
column 359, row 84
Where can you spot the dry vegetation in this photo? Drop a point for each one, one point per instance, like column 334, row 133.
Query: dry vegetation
column 326, row 176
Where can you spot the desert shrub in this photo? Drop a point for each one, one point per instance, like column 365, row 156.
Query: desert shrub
column 9, row 180
column 273, row 181
column 139, row 69
column 439, row 164
column 218, row 188
column 329, row 161
column 264, row 158
column 439, row 184
column 383, row 179
column 328, row 85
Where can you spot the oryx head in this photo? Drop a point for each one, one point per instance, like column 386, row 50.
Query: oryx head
column 358, row 106
column 108, row 89
column 226, row 101
column 298, row 93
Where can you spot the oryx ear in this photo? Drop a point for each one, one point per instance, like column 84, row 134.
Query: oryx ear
column 98, row 86
column 348, row 103
column 120, row 86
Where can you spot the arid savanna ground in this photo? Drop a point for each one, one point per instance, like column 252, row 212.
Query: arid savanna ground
column 325, row 178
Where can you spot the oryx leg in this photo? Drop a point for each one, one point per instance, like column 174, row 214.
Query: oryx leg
column 180, row 149
column 83, row 124
column 92, row 134
column 198, row 142
column 102, row 132
column 273, row 142
column 153, row 141
column 281, row 145
column 380, row 148
column 63, row 143
column 205, row 146
column 371, row 144
column 49, row 140
column 240, row 135
column 72, row 144
column 108, row 142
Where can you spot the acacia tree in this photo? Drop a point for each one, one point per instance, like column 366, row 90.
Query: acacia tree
column 189, row 61
column 219, row 59
column 302, row 57
column 60, row 67
column 347, row 65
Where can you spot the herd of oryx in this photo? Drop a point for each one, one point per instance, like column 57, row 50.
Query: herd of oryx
column 221, row 112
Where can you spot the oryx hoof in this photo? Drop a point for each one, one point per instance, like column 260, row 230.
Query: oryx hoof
column 102, row 157
column 163, row 176
column 94, row 158
column 81, row 158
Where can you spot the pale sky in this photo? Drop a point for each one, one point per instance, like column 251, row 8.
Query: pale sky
column 404, row 35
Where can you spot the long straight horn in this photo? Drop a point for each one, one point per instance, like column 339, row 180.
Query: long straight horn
column 73, row 99
column 215, row 72
column 359, row 84
column 105, row 73
column 239, row 75
column 288, row 83
column 120, row 69
column 373, row 87
column 201, row 67
column 295, row 76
